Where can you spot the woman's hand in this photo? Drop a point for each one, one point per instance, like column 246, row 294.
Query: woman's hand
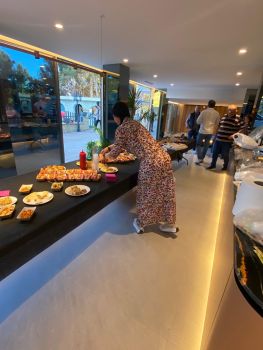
column 104, row 158
column 105, row 150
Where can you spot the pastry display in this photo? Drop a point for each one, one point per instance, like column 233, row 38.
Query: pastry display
column 50, row 174
column 77, row 190
column 26, row 213
column 37, row 198
column 57, row 186
column 7, row 211
column 52, row 168
column 25, row 188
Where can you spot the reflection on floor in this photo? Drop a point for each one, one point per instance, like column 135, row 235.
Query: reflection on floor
column 103, row 287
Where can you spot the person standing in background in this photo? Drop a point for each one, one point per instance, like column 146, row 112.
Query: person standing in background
column 192, row 125
column 96, row 112
column 228, row 126
column 208, row 121
column 248, row 120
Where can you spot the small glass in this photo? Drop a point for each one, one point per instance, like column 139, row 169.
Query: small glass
column 95, row 158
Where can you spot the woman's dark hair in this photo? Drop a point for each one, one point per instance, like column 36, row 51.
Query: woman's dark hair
column 121, row 110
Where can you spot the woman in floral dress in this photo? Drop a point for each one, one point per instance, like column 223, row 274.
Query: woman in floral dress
column 156, row 185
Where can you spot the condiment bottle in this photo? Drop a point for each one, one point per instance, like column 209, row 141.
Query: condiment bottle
column 82, row 160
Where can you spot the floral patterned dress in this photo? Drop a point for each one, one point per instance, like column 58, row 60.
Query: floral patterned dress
column 156, row 184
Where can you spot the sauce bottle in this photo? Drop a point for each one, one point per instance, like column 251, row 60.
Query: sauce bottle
column 82, row 160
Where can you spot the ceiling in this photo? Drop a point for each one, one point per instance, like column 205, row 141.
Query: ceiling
column 191, row 43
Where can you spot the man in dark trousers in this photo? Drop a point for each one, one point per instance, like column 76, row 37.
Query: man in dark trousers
column 228, row 126
column 191, row 124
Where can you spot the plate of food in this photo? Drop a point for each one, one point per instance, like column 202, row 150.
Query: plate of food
column 25, row 189
column 77, row 190
column 8, row 200
column 7, row 211
column 26, row 213
column 38, row 198
column 108, row 169
column 57, row 186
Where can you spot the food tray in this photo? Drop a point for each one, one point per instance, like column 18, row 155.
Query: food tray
column 25, row 189
column 28, row 217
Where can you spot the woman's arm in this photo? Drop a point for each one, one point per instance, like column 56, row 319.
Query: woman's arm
column 119, row 144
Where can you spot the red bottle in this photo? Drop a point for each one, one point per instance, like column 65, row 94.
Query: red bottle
column 82, row 160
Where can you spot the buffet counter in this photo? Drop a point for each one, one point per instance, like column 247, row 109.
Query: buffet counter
column 21, row 241
column 248, row 269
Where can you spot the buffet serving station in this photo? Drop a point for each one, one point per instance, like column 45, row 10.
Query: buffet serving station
column 20, row 241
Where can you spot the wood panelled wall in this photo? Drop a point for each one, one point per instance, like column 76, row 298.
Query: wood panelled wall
column 185, row 110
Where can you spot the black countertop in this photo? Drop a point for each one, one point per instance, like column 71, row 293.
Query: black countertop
column 248, row 269
column 21, row 241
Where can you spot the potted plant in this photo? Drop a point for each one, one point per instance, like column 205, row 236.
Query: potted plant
column 90, row 146
column 149, row 116
column 134, row 100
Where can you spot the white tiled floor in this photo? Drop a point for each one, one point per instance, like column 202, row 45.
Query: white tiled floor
column 103, row 287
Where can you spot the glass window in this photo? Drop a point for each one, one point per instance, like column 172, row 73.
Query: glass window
column 155, row 116
column 146, row 107
column 81, row 109
column 29, row 109
column 259, row 117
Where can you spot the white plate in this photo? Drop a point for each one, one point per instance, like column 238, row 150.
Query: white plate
column 82, row 187
column 26, row 208
column 27, row 199
column 6, row 216
column 108, row 169
column 13, row 201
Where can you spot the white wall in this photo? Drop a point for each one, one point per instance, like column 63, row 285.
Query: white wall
column 200, row 95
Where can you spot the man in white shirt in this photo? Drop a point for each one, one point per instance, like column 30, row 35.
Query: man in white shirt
column 208, row 121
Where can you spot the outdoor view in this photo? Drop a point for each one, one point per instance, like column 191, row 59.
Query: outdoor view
column 144, row 104
column 81, row 112
column 29, row 113
column 32, row 113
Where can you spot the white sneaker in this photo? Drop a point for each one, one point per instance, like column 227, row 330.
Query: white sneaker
column 137, row 226
column 168, row 228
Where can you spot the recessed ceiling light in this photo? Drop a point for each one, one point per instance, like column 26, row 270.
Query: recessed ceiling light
column 59, row 26
column 125, row 60
column 239, row 73
column 155, row 76
column 242, row 51
column 172, row 84
column 237, row 84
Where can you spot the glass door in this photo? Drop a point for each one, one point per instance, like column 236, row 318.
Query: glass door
column 81, row 109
